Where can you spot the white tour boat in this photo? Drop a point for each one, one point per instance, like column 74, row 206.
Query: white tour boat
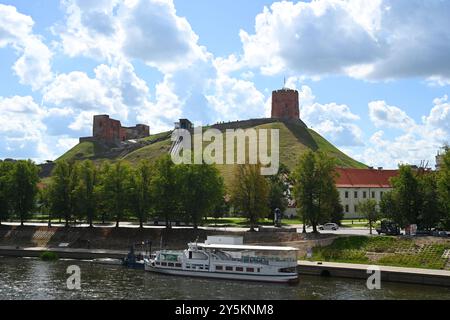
column 228, row 261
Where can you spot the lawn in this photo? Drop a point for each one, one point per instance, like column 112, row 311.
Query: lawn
column 383, row 250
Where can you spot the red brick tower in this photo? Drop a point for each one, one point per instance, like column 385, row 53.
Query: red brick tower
column 285, row 104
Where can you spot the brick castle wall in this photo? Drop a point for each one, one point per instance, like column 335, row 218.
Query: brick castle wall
column 285, row 104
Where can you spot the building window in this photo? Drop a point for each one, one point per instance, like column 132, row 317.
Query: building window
column 364, row 194
column 373, row 194
column 219, row 268
column 229, row 268
column 346, row 194
column 381, row 194
column 346, row 208
column 356, row 208
column 356, row 194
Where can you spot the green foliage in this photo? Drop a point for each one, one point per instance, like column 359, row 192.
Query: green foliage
column 48, row 256
column 443, row 189
column 140, row 193
column 116, row 184
column 5, row 190
column 369, row 210
column 250, row 193
column 391, row 250
column 315, row 189
column 23, row 183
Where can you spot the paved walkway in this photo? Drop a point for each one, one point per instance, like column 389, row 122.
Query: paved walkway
column 299, row 227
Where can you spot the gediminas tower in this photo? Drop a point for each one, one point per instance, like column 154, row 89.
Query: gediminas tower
column 285, row 104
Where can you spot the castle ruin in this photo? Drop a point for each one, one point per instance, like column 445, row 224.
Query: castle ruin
column 110, row 131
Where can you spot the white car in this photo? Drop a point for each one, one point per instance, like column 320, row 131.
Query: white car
column 329, row 226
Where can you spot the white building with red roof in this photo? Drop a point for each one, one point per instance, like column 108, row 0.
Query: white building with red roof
column 358, row 185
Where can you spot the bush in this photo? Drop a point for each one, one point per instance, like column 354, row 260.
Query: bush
column 48, row 256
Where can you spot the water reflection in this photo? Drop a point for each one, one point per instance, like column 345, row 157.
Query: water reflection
column 35, row 279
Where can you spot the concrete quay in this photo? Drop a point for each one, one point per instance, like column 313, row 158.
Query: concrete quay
column 360, row 271
column 65, row 253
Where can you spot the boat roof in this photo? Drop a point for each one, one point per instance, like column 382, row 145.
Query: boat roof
column 244, row 247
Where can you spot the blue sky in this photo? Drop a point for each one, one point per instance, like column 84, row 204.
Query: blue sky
column 373, row 76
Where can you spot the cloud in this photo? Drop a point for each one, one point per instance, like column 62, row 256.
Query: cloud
column 383, row 115
column 146, row 30
column 334, row 121
column 375, row 40
column 114, row 90
column 34, row 64
column 416, row 141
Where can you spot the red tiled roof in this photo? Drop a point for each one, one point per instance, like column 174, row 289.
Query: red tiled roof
column 364, row 178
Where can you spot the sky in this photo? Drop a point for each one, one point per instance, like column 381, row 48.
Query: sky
column 373, row 76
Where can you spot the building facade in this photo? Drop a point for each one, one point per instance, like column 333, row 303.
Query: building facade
column 358, row 185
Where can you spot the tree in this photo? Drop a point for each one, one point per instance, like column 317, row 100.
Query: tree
column 430, row 212
column 388, row 208
column 277, row 198
column 165, row 190
column 443, row 188
column 250, row 193
column 314, row 188
column 5, row 190
column 337, row 210
column 369, row 210
column 116, row 185
column 140, row 194
column 407, row 195
column 85, row 191
column 201, row 190
column 24, row 178
column 62, row 200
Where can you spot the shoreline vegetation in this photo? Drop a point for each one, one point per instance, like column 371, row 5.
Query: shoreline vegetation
column 410, row 252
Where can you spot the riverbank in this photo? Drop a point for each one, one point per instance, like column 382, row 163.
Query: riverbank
column 309, row 268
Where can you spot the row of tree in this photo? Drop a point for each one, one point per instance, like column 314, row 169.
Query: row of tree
column 162, row 190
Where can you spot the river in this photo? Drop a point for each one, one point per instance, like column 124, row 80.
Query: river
column 26, row 278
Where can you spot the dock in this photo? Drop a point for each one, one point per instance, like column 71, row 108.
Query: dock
column 388, row 273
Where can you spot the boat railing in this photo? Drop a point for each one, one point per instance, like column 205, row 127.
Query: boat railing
column 259, row 260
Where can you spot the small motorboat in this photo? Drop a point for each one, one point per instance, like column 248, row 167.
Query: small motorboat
column 137, row 260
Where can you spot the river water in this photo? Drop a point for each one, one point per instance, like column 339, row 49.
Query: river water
column 25, row 278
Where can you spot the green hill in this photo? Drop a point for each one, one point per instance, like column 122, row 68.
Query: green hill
column 295, row 139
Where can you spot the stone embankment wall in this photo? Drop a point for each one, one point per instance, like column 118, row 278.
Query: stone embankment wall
column 123, row 238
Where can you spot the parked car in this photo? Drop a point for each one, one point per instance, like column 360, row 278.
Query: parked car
column 329, row 226
column 389, row 228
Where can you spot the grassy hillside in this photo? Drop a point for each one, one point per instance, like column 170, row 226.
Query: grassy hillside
column 295, row 139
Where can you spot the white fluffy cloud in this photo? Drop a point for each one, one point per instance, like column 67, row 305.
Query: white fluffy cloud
column 33, row 66
column 148, row 30
column 334, row 121
column 382, row 115
column 363, row 39
column 416, row 142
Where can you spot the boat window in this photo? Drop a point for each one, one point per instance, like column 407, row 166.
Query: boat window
column 259, row 270
column 170, row 264
column 178, row 265
column 239, row 269
column 219, row 267
column 190, row 254
column 158, row 263
column 229, row 268
column 250, row 270
column 188, row 266
column 164, row 264
column 196, row 255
